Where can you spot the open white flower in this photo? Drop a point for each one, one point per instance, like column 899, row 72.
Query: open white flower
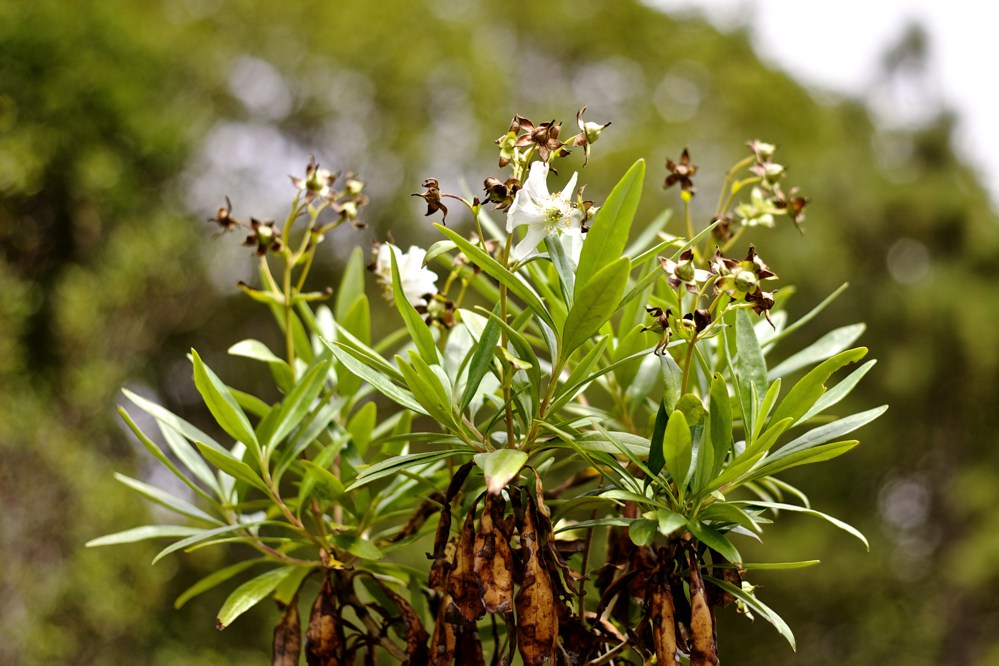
column 544, row 213
column 417, row 281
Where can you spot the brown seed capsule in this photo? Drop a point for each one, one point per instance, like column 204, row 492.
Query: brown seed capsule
column 324, row 645
column 703, row 644
column 462, row 584
column 537, row 622
column 287, row 637
column 493, row 562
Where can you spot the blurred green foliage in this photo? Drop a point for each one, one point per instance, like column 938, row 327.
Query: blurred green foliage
column 123, row 125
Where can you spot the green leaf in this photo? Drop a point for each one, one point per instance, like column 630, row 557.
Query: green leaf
column 810, row 388
column 182, row 450
column 375, row 377
column 673, row 379
column 405, row 461
column 235, row 468
column 175, row 504
column 596, row 522
column 426, row 388
column 583, row 368
column 714, row 540
column 838, row 392
column 334, row 486
column 756, row 606
column 642, row 531
column 498, row 272
column 778, row 566
column 361, row 426
column 215, row 579
column 351, row 285
column 142, row 534
column 167, row 418
column 719, row 427
column 418, row 329
column 677, row 448
column 815, row 454
column 595, row 303
column 203, row 536
column 524, row 351
column 780, row 506
column 563, row 268
column 657, row 457
column 482, row 359
column 357, row 546
column 249, row 594
column 499, row 467
column 299, row 401
column 608, row 234
column 829, row 431
column 669, row 522
column 808, row 317
column 223, row 405
column 751, row 368
column 828, row 345
column 437, row 249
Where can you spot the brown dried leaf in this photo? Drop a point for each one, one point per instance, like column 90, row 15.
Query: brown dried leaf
column 469, row 648
column 537, row 622
column 462, row 584
column 287, row 637
column 703, row 645
column 324, row 645
column 493, row 562
column 441, row 566
column 416, row 635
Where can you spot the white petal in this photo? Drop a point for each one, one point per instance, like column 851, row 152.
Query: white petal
column 523, row 211
column 570, row 187
column 536, row 186
column 535, row 235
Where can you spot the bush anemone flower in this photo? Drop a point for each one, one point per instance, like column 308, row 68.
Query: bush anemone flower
column 544, row 213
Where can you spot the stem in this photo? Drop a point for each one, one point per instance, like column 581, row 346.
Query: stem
column 687, row 362
column 738, row 166
column 507, row 374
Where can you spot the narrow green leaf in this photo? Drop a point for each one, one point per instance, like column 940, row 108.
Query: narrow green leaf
column 375, row 377
column 750, row 366
column 418, row 329
column 596, row 522
column 497, row 271
column 563, row 268
column 203, row 536
column 249, row 594
column 334, row 486
column 828, row 345
column 595, row 303
column 357, row 546
column 361, row 426
column 215, row 579
column 814, row 312
column 677, row 448
column 223, row 405
column 815, row 454
column 524, row 351
column 175, row 504
column 714, row 540
column 499, row 467
column 657, row 457
column 299, row 401
column 482, row 359
column 719, row 429
column 406, row 461
column 829, row 431
column 778, row 566
column 810, row 388
column 780, row 506
column 235, row 468
column 608, row 234
column 756, row 606
column 351, row 284
column 143, row 533
column 167, row 418
column 838, row 392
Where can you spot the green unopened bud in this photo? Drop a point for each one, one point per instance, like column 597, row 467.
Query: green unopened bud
column 773, row 172
column 348, row 210
column 593, row 130
column 318, row 181
column 685, row 270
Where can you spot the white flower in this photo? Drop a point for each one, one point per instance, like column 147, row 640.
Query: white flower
column 417, row 281
column 544, row 214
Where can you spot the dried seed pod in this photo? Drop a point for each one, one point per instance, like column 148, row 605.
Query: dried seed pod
column 493, row 563
column 287, row 637
column 537, row 622
column 662, row 614
column 416, row 635
column 324, row 645
column 462, row 584
column 703, row 645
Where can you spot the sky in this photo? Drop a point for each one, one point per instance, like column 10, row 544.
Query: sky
column 838, row 46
